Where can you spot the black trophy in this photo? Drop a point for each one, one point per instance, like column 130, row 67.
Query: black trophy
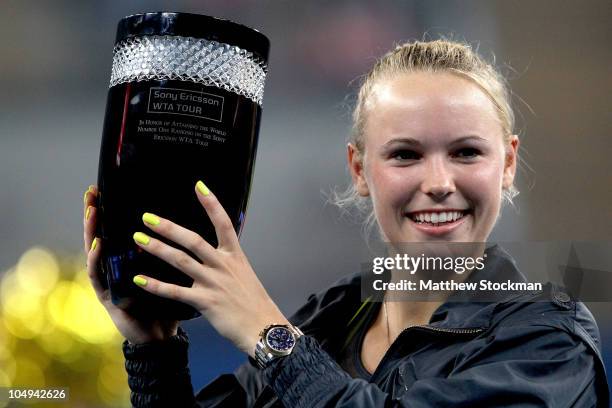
column 184, row 104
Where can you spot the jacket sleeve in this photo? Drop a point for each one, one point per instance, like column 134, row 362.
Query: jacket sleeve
column 530, row 366
column 158, row 376
column 158, row 373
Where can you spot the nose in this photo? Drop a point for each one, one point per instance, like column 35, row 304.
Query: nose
column 438, row 179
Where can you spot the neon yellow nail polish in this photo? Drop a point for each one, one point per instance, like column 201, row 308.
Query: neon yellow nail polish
column 87, row 213
column 140, row 281
column 142, row 238
column 150, row 219
column 202, row 188
column 89, row 190
column 94, row 244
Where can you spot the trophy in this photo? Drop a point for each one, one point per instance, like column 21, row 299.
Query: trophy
column 184, row 104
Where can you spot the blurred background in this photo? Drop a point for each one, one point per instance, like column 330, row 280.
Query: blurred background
column 55, row 62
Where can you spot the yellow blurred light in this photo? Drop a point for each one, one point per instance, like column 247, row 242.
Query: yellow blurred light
column 12, row 294
column 29, row 374
column 6, row 342
column 87, row 317
column 33, row 353
column 8, row 366
column 5, row 379
column 73, row 355
column 56, row 301
column 21, row 306
column 112, row 384
column 21, row 309
column 57, row 342
column 37, row 271
column 81, row 275
column 114, row 353
column 27, row 324
column 19, row 329
column 55, row 332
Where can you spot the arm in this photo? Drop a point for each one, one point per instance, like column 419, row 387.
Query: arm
column 520, row 366
column 173, row 382
column 158, row 376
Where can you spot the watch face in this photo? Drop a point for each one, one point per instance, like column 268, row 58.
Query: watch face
column 280, row 339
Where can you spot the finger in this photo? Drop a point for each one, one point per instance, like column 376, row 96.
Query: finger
column 89, row 210
column 93, row 268
column 165, row 290
column 89, row 197
column 175, row 257
column 226, row 235
column 89, row 227
column 182, row 236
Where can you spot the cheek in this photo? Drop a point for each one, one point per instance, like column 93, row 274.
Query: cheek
column 482, row 184
column 390, row 186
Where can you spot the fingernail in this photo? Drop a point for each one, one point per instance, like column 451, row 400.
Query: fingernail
column 141, row 238
column 150, row 219
column 140, row 281
column 202, row 188
column 94, row 244
column 89, row 190
column 87, row 213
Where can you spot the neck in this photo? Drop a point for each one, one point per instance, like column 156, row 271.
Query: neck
column 399, row 313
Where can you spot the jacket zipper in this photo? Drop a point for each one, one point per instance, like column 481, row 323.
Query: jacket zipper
column 470, row 330
column 424, row 327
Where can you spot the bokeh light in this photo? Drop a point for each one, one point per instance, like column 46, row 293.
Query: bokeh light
column 55, row 333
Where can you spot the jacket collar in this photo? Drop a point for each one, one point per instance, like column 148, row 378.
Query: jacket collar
column 341, row 305
column 473, row 313
column 342, row 302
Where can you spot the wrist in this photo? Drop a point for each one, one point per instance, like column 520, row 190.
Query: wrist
column 255, row 332
column 276, row 342
column 159, row 335
column 178, row 335
column 152, row 339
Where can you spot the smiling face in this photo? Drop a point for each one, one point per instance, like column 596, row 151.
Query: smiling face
column 435, row 158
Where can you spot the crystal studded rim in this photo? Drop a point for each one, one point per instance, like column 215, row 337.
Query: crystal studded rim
column 198, row 60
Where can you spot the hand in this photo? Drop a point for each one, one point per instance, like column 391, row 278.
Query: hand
column 225, row 288
column 133, row 329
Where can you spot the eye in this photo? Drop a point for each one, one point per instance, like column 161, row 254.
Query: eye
column 467, row 153
column 405, row 154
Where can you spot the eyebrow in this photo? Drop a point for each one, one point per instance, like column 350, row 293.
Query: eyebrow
column 416, row 143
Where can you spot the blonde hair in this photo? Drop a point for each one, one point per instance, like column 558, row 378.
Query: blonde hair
column 426, row 56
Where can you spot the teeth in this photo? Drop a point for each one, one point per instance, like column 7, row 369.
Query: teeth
column 435, row 218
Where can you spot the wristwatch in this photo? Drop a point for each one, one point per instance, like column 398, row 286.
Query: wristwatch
column 275, row 341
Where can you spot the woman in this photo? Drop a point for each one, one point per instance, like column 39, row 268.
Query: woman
column 433, row 154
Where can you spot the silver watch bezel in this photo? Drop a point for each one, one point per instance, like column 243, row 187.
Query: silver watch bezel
column 265, row 353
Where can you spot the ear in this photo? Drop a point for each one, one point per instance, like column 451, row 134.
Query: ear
column 510, row 161
column 355, row 162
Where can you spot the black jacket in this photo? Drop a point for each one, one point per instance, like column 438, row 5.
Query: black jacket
column 542, row 350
